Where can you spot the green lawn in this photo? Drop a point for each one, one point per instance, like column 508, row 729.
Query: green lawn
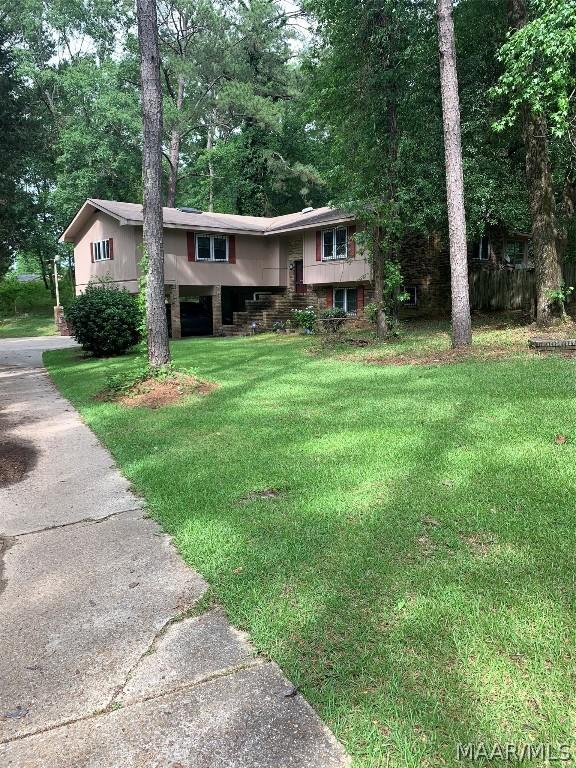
column 33, row 324
column 415, row 574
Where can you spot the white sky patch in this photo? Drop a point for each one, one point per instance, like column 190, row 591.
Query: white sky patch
column 298, row 23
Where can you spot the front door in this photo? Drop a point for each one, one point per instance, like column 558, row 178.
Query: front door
column 299, row 277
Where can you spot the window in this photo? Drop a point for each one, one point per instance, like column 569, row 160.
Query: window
column 412, row 292
column 480, row 250
column 101, row 250
column 514, row 252
column 211, row 248
column 220, row 248
column 334, row 244
column 346, row 299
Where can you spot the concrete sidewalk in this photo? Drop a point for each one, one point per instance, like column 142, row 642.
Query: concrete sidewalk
column 103, row 663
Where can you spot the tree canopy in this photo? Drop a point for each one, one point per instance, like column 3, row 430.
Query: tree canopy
column 268, row 110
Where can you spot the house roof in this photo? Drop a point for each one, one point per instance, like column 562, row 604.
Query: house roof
column 130, row 214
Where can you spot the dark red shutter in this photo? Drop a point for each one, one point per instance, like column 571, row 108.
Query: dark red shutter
column 92, row 252
column 318, row 245
column 329, row 297
column 360, row 300
column 110, row 248
column 351, row 241
column 191, row 246
column 232, row 249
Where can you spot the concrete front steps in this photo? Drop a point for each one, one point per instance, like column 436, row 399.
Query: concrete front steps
column 260, row 315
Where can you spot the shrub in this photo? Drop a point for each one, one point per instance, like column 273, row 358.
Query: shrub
column 391, row 320
column 560, row 297
column 304, row 318
column 333, row 319
column 105, row 320
column 393, row 295
column 17, row 298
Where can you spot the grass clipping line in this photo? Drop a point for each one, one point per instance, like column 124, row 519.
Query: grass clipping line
column 156, row 391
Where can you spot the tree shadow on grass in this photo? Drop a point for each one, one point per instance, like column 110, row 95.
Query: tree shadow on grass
column 403, row 574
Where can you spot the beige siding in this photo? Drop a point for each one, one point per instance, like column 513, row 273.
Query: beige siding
column 121, row 269
column 332, row 272
column 258, row 262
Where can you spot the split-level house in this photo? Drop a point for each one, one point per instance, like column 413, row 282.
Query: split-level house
column 226, row 273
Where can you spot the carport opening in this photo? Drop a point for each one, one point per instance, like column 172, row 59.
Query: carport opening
column 195, row 316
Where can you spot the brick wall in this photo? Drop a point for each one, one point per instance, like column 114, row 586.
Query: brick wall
column 425, row 263
column 60, row 321
column 217, row 310
column 295, row 252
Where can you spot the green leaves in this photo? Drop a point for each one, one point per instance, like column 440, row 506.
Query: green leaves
column 539, row 66
column 105, row 320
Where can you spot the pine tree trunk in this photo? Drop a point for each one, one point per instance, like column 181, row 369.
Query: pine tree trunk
column 174, row 156
column 461, row 322
column 158, row 348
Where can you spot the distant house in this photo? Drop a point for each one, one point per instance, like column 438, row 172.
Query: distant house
column 226, row 273
column 28, row 277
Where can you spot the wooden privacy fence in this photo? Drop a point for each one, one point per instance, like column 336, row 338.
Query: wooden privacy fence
column 509, row 289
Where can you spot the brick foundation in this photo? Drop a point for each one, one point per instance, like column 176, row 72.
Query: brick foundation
column 217, row 310
column 60, row 321
column 174, row 298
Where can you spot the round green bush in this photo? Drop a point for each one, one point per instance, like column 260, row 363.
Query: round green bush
column 104, row 320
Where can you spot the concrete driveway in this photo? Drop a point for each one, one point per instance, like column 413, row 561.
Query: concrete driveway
column 105, row 663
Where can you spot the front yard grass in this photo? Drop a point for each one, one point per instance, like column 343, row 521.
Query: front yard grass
column 400, row 539
column 30, row 324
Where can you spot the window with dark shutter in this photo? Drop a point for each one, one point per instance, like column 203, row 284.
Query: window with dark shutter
column 212, row 247
column 335, row 244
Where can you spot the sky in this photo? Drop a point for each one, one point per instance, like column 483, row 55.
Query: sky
column 300, row 24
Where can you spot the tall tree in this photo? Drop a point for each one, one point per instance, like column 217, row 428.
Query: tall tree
column 539, row 84
column 14, row 148
column 193, row 42
column 260, row 158
column 362, row 74
column 461, row 322
column 158, row 347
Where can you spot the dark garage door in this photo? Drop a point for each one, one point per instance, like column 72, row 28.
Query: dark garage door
column 195, row 316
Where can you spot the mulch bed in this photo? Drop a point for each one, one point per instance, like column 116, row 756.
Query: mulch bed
column 156, row 393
